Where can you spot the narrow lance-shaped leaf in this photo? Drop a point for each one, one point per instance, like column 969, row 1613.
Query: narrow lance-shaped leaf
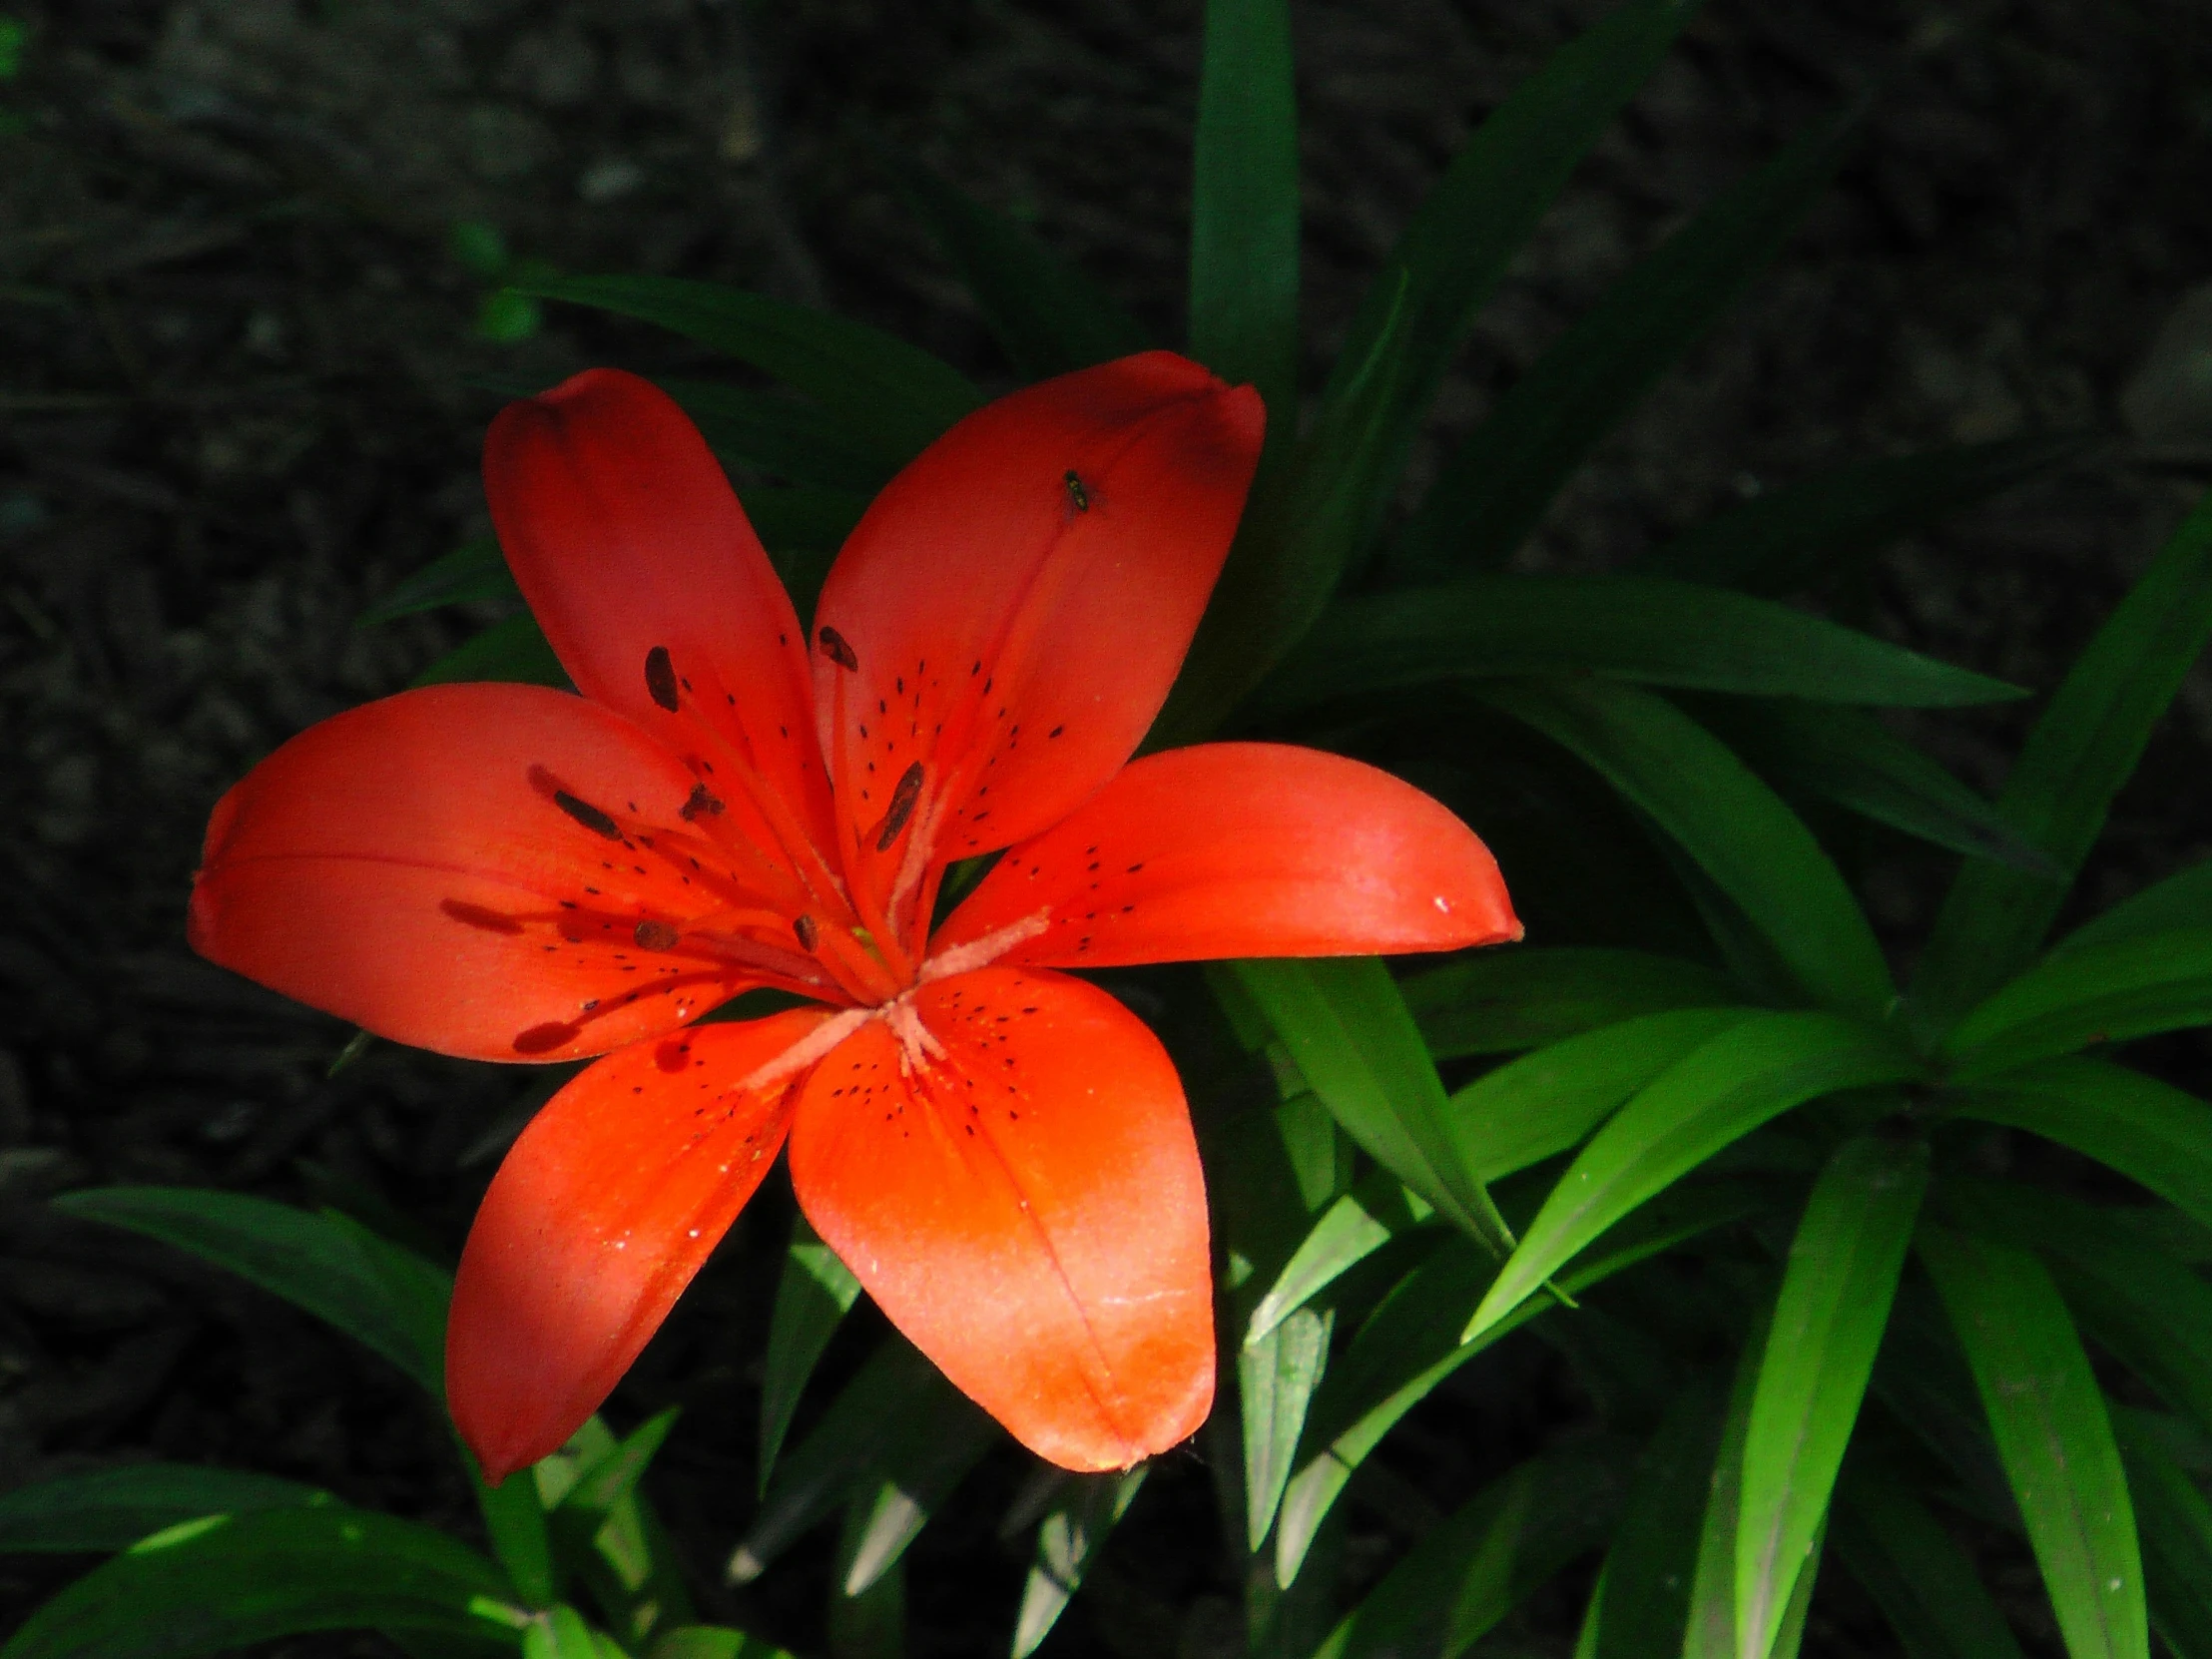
column 210, row 1586
column 814, row 1293
column 514, row 650
column 1277, row 1375
column 1827, row 1323
column 1352, row 1229
column 2182, row 900
column 1636, row 628
column 474, row 570
column 1495, row 1002
column 1721, row 1091
column 2049, row 1423
column 1641, row 1604
column 1069, row 1540
column 2100, row 993
column 1915, row 1572
column 895, row 397
column 1348, row 1027
column 1855, row 761
column 2177, row 1536
column 799, row 443
column 1328, row 497
column 1047, row 314
column 2151, row 1132
column 1709, row 1624
column 106, row 1509
column 2075, row 761
column 1496, row 488
column 1244, row 205
column 1790, row 537
column 866, row 1620
column 1755, row 850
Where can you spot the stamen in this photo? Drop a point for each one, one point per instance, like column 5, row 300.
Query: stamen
column 809, row 1048
column 1077, row 494
column 967, row 958
column 590, row 816
column 659, row 677
column 655, row 935
column 903, row 798
column 803, row 928
column 833, row 647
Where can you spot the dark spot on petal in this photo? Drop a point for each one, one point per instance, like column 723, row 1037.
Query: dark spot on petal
column 655, row 935
column 475, row 915
column 543, row 1039
column 583, row 812
column 659, row 677
column 903, row 796
column 833, row 647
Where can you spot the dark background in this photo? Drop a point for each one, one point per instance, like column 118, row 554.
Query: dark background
column 233, row 411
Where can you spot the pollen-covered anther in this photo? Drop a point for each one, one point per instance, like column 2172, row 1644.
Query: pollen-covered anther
column 967, row 958
column 903, row 796
column 659, row 677
column 655, row 935
column 918, row 1044
column 833, row 647
column 701, row 800
column 804, row 929
column 590, row 816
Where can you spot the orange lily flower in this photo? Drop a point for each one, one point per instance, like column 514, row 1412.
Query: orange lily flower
column 999, row 1151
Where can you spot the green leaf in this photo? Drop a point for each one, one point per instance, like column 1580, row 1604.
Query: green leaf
column 868, row 1621
column 814, row 1293
column 1717, row 1093
column 1641, row 1604
column 514, row 650
column 1914, row 1572
column 889, row 395
column 1047, row 314
column 2177, row 1536
column 1635, row 628
column 898, row 1428
column 713, row 1641
column 1500, row 1001
column 1491, row 1555
column 2149, row 1131
column 1735, row 830
column 1311, row 518
column 387, row 1298
column 106, row 1509
column 473, row 570
column 1068, row 1539
column 1828, row 1325
column 2100, row 993
column 1546, row 1102
column 1855, row 761
column 808, row 518
column 2049, row 1423
column 1277, row 1375
column 1495, row 490
column 1244, row 205
column 1412, row 1342
column 1788, row 538
column 559, row 1634
column 1346, row 1024
column 797, row 441
column 210, row 1586
column 1709, row 1623
column 2182, row 900
column 514, row 1521
column 606, row 1531
column 2079, row 754
column 1350, row 1230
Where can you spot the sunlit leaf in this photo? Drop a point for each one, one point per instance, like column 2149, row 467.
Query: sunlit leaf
column 1737, row 831
column 1718, row 1092
column 2075, row 760
column 1349, row 1231
column 2151, row 1132
column 1277, row 1375
column 814, row 1293
column 2100, row 993
column 1068, row 1539
column 1829, row 1317
column 713, row 1641
column 890, row 396
column 1244, row 205
column 2049, row 1423
column 1500, row 1001
column 209, row 1586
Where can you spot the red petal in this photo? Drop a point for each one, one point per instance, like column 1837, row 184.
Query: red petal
column 407, row 867
column 1022, row 629
column 1240, row 850
column 1027, row 1208
column 613, row 1198
column 623, row 535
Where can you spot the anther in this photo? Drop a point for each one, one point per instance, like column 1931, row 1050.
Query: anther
column 833, row 647
column 902, row 806
column 590, row 816
column 700, row 799
column 659, row 677
column 655, row 935
column 1077, row 494
column 803, row 928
